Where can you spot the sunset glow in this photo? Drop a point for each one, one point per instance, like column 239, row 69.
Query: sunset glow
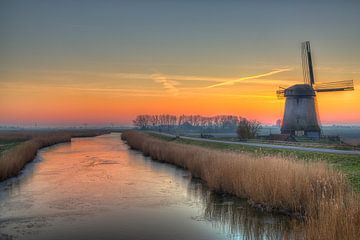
column 173, row 119
column 77, row 69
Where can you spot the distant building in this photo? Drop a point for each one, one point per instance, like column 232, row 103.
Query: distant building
column 278, row 123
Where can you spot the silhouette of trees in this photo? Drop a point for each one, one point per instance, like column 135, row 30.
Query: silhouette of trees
column 142, row 121
column 154, row 121
column 188, row 122
column 248, row 128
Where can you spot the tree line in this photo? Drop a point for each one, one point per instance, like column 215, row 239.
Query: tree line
column 227, row 123
column 190, row 121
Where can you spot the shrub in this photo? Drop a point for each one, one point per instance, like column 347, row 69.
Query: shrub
column 248, row 128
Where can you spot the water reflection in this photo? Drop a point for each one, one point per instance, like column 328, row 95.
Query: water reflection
column 235, row 218
column 96, row 188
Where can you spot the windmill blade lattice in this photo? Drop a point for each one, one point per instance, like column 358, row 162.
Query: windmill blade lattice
column 347, row 85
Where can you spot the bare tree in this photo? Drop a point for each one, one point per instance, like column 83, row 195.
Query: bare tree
column 142, row 121
column 167, row 121
column 248, row 129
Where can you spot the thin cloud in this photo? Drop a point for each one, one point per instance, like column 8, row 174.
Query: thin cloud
column 112, row 91
column 169, row 85
column 232, row 82
column 143, row 76
column 114, row 81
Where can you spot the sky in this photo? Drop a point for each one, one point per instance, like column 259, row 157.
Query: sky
column 101, row 62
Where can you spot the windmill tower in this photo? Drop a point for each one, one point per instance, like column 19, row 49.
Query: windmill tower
column 300, row 116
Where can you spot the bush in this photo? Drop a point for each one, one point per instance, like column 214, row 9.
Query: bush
column 248, row 128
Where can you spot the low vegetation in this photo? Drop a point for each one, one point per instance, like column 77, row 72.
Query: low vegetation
column 312, row 192
column 248, row 129
column 23, row 146
column 349, row 165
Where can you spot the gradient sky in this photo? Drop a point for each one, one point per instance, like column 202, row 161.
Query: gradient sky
column 73, row 62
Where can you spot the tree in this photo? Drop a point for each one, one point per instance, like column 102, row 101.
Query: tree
column 142, row 121
column 248, row 128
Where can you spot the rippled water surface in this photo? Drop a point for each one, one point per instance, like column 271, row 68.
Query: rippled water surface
column 97, row 188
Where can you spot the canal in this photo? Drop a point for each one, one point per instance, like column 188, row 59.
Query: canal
column 97, row 188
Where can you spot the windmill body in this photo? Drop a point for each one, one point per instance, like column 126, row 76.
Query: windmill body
column 301, row 115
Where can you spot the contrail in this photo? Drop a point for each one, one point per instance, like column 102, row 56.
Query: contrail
column 169, row 85
column 231, row 82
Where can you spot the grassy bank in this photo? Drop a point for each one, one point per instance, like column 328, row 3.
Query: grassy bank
column 347, row 164
column 20, row 148
column 311, row 191
column 7, row 144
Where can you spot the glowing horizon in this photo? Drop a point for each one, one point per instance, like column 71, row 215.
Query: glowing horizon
column 254, row 98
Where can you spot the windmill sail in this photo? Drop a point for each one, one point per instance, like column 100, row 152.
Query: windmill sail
column 307, row 63
column 347, row 85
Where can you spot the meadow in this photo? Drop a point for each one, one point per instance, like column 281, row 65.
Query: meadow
column 317, row 195
column 20, row 147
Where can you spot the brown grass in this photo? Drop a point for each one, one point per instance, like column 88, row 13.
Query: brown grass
column 310, row 191
column 14, row 159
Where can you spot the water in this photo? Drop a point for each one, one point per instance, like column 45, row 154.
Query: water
column 97, row 188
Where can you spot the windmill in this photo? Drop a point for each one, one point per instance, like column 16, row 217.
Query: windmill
column 300, row 116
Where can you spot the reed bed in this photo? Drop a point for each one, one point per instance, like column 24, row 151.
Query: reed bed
column 15, row 158
column 317, row 196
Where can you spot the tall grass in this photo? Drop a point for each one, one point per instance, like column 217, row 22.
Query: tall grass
column 15, row 158
column 310, row 191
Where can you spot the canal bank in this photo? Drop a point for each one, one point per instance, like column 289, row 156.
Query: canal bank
column 312, row 191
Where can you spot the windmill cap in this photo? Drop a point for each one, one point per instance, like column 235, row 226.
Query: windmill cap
column 299, row 90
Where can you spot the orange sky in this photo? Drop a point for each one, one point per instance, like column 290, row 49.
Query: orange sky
column 47, row 97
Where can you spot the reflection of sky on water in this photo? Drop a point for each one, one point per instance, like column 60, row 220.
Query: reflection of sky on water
column 234, row 217
column 98, row 188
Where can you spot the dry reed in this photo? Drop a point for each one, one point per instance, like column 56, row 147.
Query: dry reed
column 310, row 191
column 14, row 159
